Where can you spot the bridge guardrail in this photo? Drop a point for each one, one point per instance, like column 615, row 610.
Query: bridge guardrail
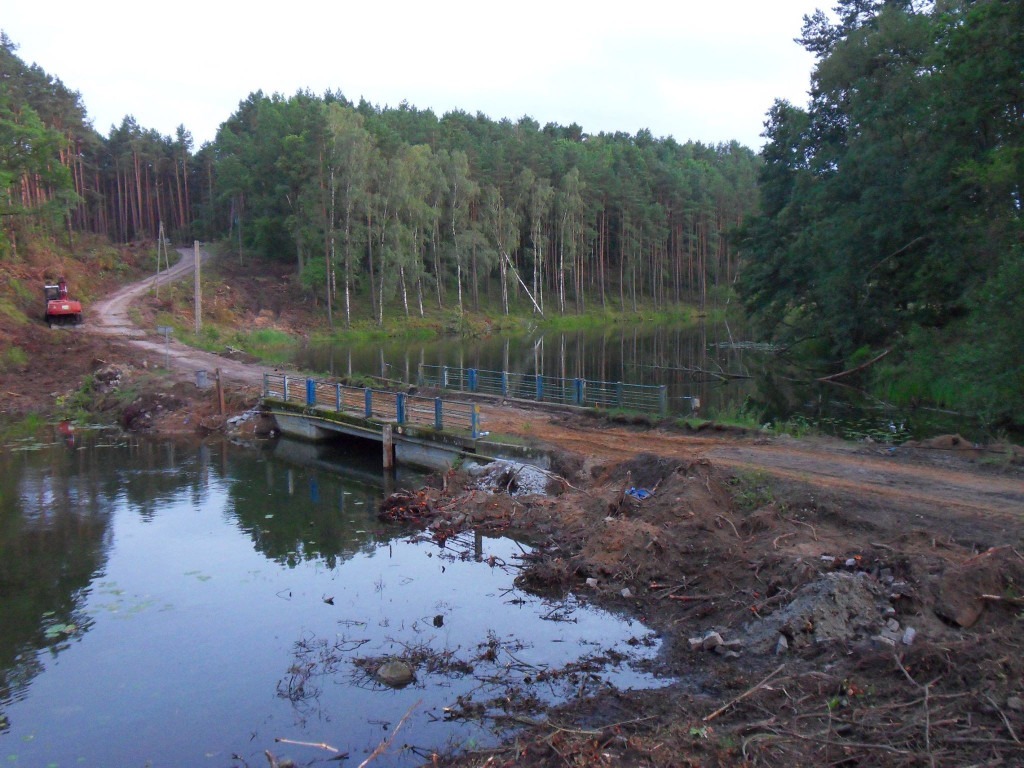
column 530, row 386
column 378, row 404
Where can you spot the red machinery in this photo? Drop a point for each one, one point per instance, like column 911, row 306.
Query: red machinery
column 60, row 309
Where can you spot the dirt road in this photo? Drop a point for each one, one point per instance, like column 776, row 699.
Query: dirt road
column 110, row 318
column 939, row 485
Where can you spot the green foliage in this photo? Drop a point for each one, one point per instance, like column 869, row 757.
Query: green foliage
column 13, row 359
column 891, row 207
column 752, row 490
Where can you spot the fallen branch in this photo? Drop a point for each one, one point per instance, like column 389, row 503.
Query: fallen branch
column 320, row 745
column 777, row 539
column 730, row 522
column 853, row 370
column 695, row 598
column 387, row 742
column 743, row 695
column 1001, row 599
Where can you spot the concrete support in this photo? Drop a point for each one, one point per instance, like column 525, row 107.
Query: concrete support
column 389, row 447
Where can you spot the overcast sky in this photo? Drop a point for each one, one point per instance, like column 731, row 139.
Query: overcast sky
column 704, row 70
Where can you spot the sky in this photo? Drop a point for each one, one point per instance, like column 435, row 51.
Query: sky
column 705, row 71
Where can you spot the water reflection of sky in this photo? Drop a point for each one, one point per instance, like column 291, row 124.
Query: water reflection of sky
column 159, row 609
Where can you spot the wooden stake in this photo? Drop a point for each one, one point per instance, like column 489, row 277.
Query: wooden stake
column 220, row 394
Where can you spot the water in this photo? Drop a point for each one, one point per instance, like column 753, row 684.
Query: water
column 174, row 605
column 707, row 360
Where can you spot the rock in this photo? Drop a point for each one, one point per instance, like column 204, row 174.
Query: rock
column 592, row 582
column 1016, row 703
column 782, row 646
column 892, row 625
column 394, row 673
column 888, row 611
column 835, row 607
column 851, row 563
column 711, row 640
column 908, row 636
column 726, row 652
column 882, row 641
column 696, row 643
column 960, row 586
column 626, row 592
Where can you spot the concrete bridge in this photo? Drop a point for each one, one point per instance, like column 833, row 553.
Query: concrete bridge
column 430, row 432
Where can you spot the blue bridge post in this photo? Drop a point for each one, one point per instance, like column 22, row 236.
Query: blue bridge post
column 400, row 408
column 474, row 416
column 438, row 414
column 504, row 383
column 540, row 387
column 472, row 379
column 310, row 393
column 578, row 391
column 337, row 397
column 368, row 397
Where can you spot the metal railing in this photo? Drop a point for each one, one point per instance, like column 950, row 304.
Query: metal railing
column 377, row 404
column 529, row 386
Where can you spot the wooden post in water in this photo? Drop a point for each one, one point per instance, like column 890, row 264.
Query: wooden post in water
column 220, row 394
column 389, row 447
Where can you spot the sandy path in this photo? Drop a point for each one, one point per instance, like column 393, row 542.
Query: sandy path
column 110, row 318
column 832, row 465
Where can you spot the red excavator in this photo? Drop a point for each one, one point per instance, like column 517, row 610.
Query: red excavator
column 60, row 310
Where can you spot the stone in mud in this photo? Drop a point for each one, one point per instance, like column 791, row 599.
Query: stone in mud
column 711, row 640
column 837, row 606
column 394, row 673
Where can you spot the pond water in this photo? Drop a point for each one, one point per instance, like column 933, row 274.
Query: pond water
column 710, row 361
column 175, row 605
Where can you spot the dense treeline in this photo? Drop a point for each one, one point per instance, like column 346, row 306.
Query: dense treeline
column 394, row 204
column 891, row 206
column 55, row 168
column 412, row 209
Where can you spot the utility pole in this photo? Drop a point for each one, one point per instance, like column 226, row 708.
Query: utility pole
column 161, row 243
column 198, row 296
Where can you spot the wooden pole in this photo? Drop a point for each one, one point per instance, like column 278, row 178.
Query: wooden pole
column 389, row 447
column 220, row 394
column 198, row 296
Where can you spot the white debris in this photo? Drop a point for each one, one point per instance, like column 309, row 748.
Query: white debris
column 510, row 477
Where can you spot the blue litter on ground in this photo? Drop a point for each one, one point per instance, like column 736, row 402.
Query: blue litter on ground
column 639, row 493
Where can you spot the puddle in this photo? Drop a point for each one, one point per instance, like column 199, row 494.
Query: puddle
column 186, row 605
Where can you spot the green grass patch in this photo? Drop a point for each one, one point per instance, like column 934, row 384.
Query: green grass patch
column 752, row 490
column 13, row 359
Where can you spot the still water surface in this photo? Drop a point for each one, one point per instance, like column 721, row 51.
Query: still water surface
column 710, row 361
column 166, row 605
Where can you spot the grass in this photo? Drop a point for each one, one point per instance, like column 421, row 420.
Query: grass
column 752, row 490
column 13, row 359
column 26, row 427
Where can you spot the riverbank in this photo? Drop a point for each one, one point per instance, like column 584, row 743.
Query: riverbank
column 801, row 627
